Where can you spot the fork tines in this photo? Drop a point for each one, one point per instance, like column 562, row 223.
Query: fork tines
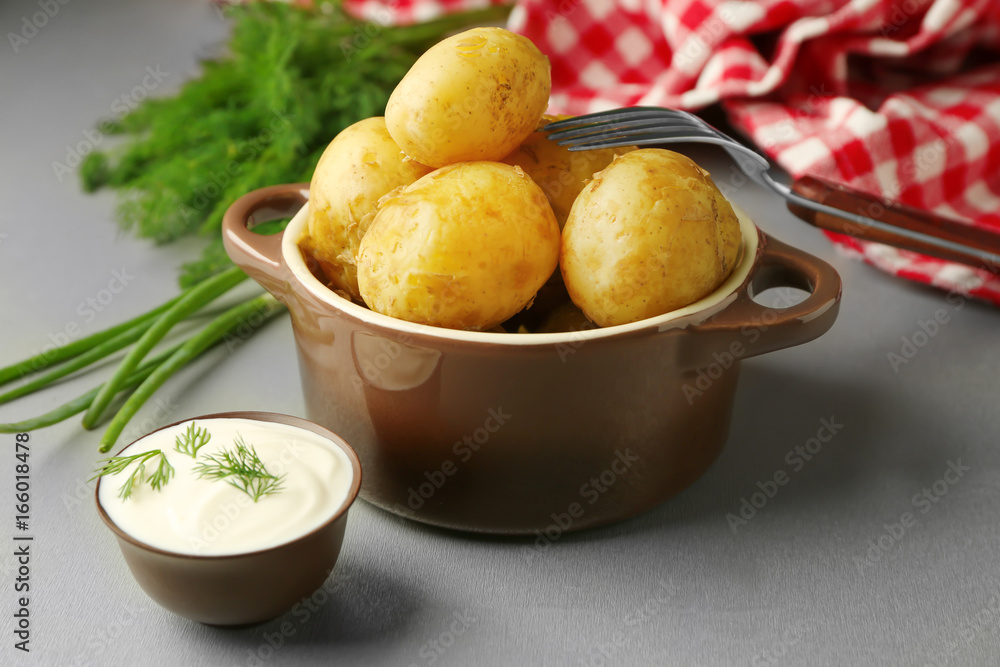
column 627, row 127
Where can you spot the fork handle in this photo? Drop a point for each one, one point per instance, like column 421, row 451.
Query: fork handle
column 930, row 234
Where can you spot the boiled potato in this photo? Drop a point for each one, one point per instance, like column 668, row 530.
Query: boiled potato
column 361, row 165
column 464, row 247
column 650, row 234
column 561, row 173
column 473, row 96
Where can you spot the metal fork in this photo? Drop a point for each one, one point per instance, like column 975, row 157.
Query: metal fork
column 823, row 204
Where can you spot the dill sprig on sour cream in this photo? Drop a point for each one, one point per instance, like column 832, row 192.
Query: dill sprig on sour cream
column 243, row 469
column 240, row 467
column 116, row 464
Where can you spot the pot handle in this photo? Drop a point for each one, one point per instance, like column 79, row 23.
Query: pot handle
column 760, row 328
column 259, row 255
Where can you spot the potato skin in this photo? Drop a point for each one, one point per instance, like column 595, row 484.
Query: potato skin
column 472, row 96
column 560, row 172
column 465, row 247
column 361, row 165
column 650, row 234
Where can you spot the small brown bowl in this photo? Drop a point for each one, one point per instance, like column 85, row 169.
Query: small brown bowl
column 534, row 433
column 245, row 588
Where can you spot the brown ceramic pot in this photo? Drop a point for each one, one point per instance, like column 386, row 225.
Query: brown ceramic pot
column 245, row 588
column 517, row 433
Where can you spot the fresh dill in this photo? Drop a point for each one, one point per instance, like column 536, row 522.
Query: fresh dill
column 116, row 464
column 260, row 113
column 194, row 438
column 243, row 469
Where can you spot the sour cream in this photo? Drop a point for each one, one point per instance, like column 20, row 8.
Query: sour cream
column 209, row 517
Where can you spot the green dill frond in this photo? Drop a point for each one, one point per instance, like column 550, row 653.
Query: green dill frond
column 116, row 464
column 193, row 439
column 241, row 468
column 259, row 115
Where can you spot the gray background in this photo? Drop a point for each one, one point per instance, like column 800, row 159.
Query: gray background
column 674, row 586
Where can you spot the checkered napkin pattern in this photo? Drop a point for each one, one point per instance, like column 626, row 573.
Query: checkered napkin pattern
column 897, row 98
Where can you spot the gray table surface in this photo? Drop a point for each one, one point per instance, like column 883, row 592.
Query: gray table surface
column 824, row 574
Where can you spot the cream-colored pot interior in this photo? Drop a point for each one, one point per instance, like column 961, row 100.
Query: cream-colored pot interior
column 708, row 305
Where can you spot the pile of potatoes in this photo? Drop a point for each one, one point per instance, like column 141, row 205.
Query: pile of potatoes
column 453, row 211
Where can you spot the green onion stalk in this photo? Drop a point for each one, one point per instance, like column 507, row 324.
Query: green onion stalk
column 261, row 114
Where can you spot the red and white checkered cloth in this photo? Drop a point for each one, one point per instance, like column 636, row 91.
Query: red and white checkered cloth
column 898, row 98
